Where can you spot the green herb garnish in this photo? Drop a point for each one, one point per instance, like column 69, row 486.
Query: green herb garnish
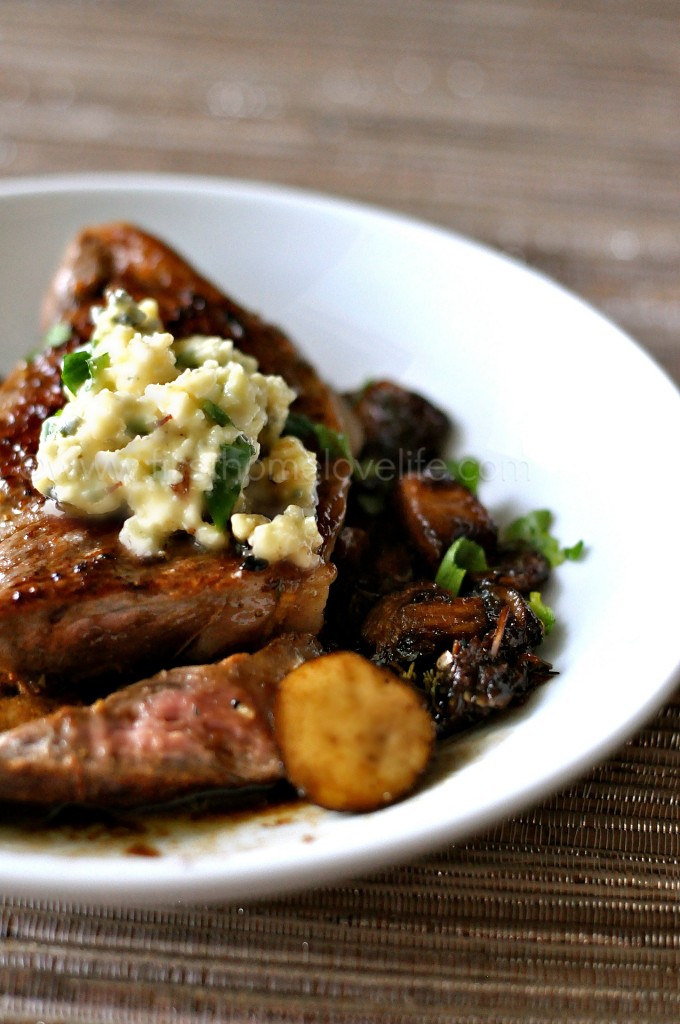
column 230, row 471
column 57, row 335
column 81, row 366
column 534, row 529
column 463, row 554
column 334, row 444
column 216, row 414
column 76, row 370
column 541, row 611
column 55, row 424
column 466, row 471
column 186, row 360
column 137, row 428
column 98, row 363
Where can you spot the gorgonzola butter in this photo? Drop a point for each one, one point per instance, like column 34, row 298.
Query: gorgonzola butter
column 178, row 436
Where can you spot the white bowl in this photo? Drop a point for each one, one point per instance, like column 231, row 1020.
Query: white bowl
column 563, row 409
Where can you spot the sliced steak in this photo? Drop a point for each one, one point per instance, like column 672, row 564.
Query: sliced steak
column 74, row 604
column 183, row 731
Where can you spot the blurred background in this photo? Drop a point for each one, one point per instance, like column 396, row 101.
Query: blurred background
column 550, row 130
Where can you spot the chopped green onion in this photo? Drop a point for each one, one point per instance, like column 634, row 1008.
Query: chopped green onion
column 541, row 611
column 57, row 335
column 534, row 529
column 463, row 554
column 69, row 428
column 137, row 428
column 186, row 361
column 466, row 471
column 55, row 424
column 216, row 414
column 81, row 366
column 334, row 444
column 76, row 370
column 101, row 362
column 230, row 471
column 574, row 552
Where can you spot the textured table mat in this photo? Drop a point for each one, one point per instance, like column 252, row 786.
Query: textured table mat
column 550, row 130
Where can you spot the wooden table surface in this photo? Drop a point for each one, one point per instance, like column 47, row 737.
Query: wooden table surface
column 551, row 131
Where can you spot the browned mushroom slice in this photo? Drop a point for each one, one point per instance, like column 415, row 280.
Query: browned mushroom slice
column 517, row 565
column 470, row 682
column 516, row 626
column 396, row 421
column 438, row 510
column 420, row 619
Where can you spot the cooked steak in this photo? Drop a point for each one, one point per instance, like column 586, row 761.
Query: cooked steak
column 183, row 731
column 74, row 604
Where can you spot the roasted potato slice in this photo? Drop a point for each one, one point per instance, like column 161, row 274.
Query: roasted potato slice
column 352, row 736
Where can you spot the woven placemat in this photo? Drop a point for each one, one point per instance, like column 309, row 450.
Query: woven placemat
column 568, row 912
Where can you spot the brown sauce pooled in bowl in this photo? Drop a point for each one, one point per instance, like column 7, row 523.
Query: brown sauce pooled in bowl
column 146, row 831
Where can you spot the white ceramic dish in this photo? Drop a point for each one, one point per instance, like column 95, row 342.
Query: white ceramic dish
column 565, row 411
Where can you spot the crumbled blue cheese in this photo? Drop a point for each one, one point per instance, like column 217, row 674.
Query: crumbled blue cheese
column 178, row 436
column 291, row 535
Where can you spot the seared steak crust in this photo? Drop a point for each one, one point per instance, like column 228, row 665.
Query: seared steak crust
column 74, row 604
column 183, row 731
